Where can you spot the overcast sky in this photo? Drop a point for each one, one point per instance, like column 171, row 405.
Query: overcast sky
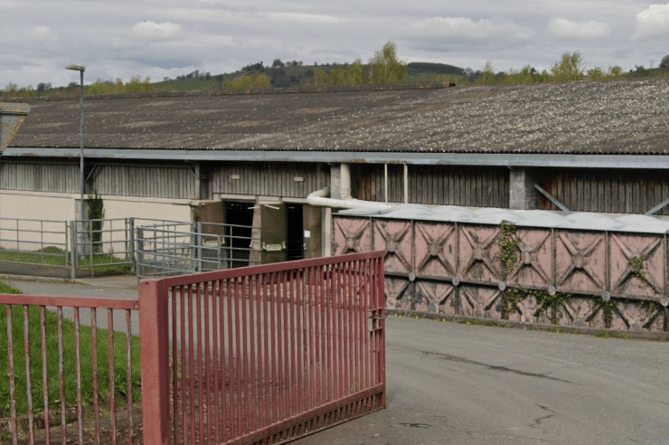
column 160, row 38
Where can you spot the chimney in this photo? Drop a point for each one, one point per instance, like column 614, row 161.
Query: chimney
column 11, row 118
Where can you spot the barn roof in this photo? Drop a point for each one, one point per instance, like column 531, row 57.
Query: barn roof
column 580, row 118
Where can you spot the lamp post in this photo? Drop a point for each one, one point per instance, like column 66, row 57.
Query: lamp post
column 81, row 70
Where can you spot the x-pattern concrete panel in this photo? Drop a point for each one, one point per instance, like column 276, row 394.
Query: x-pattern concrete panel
column 395, row 237
column 436, row 250
column 352, row 235
column 637, row 266
column 478, row 250
column 581, row 262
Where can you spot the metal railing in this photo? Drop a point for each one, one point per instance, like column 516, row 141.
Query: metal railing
column 64, row 369
column 150, row 247
column 181, row 248
column 263, row 354
column 103, row 246
column 35, row 242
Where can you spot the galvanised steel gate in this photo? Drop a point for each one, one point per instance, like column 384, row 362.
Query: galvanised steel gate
column 263, row 354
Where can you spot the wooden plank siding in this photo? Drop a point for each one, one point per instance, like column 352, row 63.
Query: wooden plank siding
column 605, row 191
column 39, row 177
column 280, row 179
column 437, row 185
column 146, row 181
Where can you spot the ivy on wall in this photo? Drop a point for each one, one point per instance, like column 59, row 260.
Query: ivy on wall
column 509, row 254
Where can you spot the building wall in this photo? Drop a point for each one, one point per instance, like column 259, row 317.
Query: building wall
column 436, row 185
column 150, row 181
column 280, row 179
column 605, row 191
column 43, row 177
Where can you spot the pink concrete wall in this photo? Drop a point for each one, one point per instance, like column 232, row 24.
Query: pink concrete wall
column 601, row 279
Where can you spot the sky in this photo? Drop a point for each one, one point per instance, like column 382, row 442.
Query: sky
column 168, row 38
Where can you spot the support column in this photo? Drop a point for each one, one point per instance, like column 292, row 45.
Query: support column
column 522, row 194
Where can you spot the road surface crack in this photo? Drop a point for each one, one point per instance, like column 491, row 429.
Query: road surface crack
column 492, row 367
column 537, row 422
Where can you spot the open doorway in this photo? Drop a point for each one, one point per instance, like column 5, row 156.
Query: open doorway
column 239, row 220
column 295, row 232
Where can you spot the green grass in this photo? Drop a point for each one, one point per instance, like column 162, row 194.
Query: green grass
column 120, row 361
column 52, row 256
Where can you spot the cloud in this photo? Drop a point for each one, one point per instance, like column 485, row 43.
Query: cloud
column 303, row 17
column 652, row 23
column 43, row 33
column 448, row 33
column 158, row 32
column 568, row 29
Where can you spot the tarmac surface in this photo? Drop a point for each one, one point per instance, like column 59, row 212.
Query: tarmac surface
column 452, row 383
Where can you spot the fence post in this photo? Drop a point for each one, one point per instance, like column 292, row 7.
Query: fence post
column 131, row 249
column 140, row 252
column 198, row 238
column 154, row 336
column 73, row 251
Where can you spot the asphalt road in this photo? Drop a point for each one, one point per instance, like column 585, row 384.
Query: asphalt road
column 451, row 383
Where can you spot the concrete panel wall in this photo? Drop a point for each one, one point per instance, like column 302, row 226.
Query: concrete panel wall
column 601, row 279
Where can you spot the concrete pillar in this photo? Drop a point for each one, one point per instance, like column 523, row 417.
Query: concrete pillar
column 522, row 194
column 335, row 181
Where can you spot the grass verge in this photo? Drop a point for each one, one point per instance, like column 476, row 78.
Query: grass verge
column 69, row 361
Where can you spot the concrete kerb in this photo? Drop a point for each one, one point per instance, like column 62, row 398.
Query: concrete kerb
column 117, row 281
column 639, row 335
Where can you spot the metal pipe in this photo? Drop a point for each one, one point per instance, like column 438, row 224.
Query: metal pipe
column 320, row 198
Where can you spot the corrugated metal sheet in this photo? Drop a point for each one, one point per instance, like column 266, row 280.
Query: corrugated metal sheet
column 437, row 185
column 157, row 182
column 39, row 177
column 630, row 191
column 288, row 180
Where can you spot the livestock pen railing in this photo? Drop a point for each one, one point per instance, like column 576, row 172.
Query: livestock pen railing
column 180, row 248
column 150, row 247
column 65, row 373
column 35, row 242
column 263, row 354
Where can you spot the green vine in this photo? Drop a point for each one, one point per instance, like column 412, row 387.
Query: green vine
column 607, row 308
column 655, row 307
column 553, row 302
column 509, row 250
column 96, row 215
column 636, row 264
column 509, row 247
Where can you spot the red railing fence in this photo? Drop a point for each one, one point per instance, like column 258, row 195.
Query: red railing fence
column 50, row 346
column 262, row 354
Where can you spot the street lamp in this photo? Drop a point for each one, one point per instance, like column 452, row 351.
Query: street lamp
column 81, row 70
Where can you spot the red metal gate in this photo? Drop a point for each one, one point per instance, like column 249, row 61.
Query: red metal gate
column 263, row 354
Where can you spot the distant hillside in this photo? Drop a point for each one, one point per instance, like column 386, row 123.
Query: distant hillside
column 426, row 68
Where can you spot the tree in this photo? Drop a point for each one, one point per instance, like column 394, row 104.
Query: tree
column 277, row 63
column 386, row 68
column 665, row 62
column 569, row 68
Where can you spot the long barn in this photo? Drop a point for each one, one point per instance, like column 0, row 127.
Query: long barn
column 583, row 146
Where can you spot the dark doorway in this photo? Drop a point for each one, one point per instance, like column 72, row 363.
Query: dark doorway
column 239, row 220
column 295, row 232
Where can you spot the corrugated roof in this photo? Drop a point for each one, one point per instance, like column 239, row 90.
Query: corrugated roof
column 608, row 117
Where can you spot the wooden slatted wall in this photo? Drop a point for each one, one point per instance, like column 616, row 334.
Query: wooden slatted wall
column 149, row 181
column 437, row 185
column 605, row 191
column 284, row 179
column 39, row 177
